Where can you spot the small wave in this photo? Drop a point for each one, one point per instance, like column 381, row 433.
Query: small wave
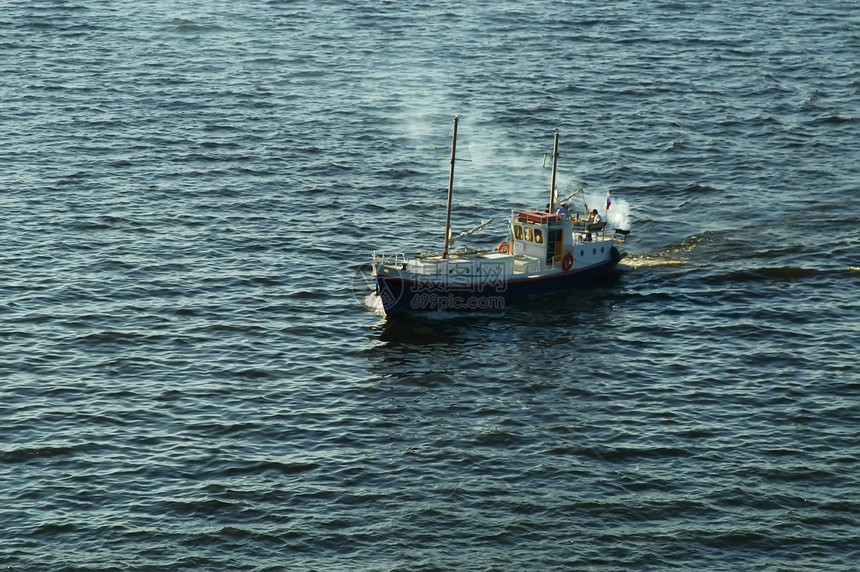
column 787, row 272
column 698, row 188
column 832, row 119
column 189, row 26
column 25, row 454
column 791, row 272
column 264, row 466
column 765, row 274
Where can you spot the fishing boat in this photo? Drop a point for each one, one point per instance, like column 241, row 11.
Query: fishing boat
column 545, row 251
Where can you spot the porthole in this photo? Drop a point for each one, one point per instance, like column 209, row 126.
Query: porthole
column 582, row 253
column 601, row 249
column 593, row 251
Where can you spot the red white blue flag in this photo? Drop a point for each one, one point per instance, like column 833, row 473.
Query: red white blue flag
column 608, row 200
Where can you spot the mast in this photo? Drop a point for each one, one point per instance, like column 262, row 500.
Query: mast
column 553, row 192
column 450, row 190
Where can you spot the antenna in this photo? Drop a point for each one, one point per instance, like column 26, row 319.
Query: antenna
column 450, row 190
column 553, row 191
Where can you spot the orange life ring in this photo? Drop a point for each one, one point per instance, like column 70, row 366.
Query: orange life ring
column 504, row 248
column 567, row 262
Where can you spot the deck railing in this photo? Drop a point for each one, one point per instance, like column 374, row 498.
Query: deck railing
column 396, row 259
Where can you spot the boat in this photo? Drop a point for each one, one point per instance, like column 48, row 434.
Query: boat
column 545, row 251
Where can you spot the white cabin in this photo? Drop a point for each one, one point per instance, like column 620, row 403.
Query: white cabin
column 542, row 241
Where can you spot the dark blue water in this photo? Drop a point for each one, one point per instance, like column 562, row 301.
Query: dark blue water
column 191, row 194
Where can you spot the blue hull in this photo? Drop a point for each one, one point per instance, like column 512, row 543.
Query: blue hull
column 399, row 295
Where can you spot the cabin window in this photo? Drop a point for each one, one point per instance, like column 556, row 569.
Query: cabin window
column 528, row 234
column 538, row 236
column 518, row 232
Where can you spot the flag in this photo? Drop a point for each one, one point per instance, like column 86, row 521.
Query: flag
column 608, row 200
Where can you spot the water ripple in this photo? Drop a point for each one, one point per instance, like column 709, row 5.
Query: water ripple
column 192, row 378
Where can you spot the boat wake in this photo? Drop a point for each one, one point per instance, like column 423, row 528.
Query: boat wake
column 650, row 260
column 672, row 255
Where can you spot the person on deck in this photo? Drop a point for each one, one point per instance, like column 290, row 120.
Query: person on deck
column 562, row 210
column 593, row 218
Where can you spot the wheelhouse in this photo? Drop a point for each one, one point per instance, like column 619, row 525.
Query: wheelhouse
column 539, row 235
